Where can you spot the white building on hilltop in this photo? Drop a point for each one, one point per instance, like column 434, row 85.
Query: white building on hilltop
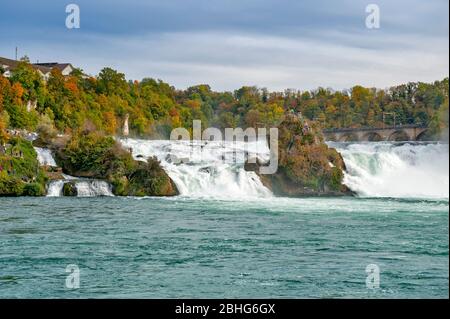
column 7, row 66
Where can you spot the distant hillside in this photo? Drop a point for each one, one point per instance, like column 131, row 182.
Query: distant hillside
column 154, row 107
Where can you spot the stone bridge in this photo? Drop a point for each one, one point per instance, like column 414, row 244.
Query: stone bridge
column 372, row 134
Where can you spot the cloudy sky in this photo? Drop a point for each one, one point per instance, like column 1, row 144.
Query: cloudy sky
column 276, row 44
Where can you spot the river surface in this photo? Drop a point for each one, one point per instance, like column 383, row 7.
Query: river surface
column 227, row 236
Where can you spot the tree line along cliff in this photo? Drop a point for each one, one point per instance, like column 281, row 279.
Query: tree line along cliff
column 89, row 110
column 154, row 107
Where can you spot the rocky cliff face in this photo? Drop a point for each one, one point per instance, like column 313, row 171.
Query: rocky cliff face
column 93, row 155
column 307, row 166
column 20, row 174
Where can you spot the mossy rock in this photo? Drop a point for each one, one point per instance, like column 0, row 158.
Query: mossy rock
column 150, row 179
column 33, row 189
column 20, row 172
column 69, row 189
column 307, row 166
column 94, row 155
column 11, row 186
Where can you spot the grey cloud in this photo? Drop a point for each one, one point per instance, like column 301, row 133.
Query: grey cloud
column 276, row 43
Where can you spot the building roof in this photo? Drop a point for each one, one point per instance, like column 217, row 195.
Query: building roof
column 44, row 68
column 12, row 64
column 8, row 62
column 51, row 65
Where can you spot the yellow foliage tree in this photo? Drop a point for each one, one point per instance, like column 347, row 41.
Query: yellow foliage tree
column 3, row 126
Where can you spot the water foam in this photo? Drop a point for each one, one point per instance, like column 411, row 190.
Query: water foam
column 201, row 171
column 45, row 157
column 410, row 170
column 93, row 188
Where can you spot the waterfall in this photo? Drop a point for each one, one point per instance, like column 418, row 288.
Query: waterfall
column 92, row 188
column 204, row 168
column 55, row 188
column 84, row 187
column 374, row 169
column 45, row 157
column 409, row 170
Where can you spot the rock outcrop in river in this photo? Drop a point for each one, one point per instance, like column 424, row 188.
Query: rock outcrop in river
column 90, row 154
column 20, row 173
column 307, row 166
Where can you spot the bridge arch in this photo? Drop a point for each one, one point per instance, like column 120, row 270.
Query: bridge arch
column 371, row 137
column 348, row 137
column 391, row 133
column 423, row 136
column 400, row 136
column 331, row 137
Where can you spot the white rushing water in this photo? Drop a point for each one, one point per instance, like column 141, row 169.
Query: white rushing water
column 378, row 169
column 410, row 170
column 84, row 187
column 92, row 188
column 55, row 188
column 45, row 157
column 374, row 169
column 202, row 171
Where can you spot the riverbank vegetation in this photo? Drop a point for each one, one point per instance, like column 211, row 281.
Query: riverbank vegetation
column 154, row 107
column 91, row 154
column 20, row 174
column 78, row 115
column 307, row 166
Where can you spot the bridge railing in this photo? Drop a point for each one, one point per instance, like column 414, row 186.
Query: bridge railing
column 366, row 128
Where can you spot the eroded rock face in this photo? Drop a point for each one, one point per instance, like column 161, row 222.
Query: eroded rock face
column 96, row 156
column 149, row 179
column 70, row 189
column 307, row 166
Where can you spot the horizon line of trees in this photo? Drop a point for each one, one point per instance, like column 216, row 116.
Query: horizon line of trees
column 154, row 107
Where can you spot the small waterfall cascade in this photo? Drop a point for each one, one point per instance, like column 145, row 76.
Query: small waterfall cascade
column 398, row 170
column 93, row 188
column 84, row 187
column 213, row 169
column 45, row 157
column 55, row 188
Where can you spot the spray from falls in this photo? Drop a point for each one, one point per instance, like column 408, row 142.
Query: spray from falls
column 200, row 168
column 45, row 157
column 93, row 188
column 410, row 170
column 84, row 187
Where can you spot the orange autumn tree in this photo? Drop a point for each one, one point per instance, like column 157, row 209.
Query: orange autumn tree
column 5, row 92
column 17, row 93
column 3, row 126
column 71, row 85
column 110, row 122
column 175, row 118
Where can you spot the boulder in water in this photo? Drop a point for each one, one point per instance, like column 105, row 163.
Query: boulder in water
column 307, row 166
column 96, row 156
column 70, row 189
column 148, row 179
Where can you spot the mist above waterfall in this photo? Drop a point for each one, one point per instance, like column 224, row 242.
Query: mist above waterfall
column 410, row 170
column 84, row 187
column 201, row 169
column 45, row 157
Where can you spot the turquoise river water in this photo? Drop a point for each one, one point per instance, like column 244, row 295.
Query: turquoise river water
column 226, row 236
column 180, row 247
